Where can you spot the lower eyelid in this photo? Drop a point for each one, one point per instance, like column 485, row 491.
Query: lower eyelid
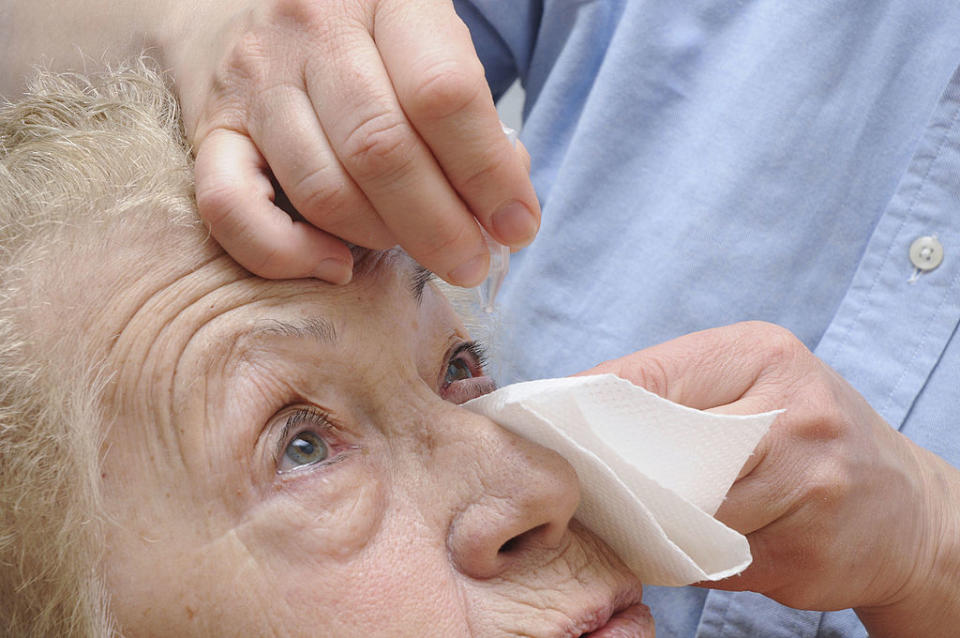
column 342, row 453
column 462, row 391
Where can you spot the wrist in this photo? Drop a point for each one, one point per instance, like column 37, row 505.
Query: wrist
column 927, row 604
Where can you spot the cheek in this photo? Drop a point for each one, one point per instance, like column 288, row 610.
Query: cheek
column 318, row 517
column 363, row 564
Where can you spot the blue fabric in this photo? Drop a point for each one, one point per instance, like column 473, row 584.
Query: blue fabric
column 706, row 162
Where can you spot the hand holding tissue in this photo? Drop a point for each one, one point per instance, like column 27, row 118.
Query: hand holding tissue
column 652, row 472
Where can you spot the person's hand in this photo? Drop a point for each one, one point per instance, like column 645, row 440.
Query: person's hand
column 374, row 118
column 840, row 509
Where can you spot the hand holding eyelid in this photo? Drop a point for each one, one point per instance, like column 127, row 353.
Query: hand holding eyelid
column 386, row 134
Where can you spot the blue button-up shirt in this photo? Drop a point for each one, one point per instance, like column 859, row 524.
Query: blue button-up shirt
column 712, row 161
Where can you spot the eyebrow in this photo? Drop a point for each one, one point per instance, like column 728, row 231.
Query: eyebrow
column 316, row 328
column 322, row 330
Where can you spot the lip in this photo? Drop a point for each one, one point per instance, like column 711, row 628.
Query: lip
column 625, row 617
column 631, row 622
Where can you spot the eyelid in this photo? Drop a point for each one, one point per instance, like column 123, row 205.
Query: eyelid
column 474, row 348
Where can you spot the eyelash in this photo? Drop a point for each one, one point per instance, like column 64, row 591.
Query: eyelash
column 476, row 349
column 478, row 355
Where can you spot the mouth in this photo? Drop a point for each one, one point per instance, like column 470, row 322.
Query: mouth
column 627, row 617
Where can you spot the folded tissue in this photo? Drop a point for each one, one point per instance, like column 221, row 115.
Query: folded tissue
column 652, row 472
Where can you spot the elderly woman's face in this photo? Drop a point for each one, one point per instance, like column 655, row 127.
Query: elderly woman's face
column 289, row 459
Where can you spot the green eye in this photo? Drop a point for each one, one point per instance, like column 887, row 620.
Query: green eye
column 457, row 370
column 306, row 448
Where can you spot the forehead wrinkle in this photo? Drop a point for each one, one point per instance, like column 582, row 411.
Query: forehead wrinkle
column 158, row 381
column 119, row 349
column 145, row 388
column 198, row 384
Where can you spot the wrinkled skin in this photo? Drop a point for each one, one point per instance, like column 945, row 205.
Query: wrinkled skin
column 423, row 520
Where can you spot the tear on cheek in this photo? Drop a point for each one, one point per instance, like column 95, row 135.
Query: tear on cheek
column 462, row 391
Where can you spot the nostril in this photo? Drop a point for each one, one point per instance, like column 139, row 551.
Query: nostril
column 509, row 546
column 518, row 540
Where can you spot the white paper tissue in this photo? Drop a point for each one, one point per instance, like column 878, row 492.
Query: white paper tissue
column 652, row 472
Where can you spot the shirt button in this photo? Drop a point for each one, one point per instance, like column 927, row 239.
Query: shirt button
column 926, row 253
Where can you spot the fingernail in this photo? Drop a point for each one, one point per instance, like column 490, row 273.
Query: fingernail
column 514, row 223
column 334, row 271
column 470, row 273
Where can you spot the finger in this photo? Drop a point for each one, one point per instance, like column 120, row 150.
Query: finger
column 441, row 86
column 758, row 497
column 371, row 136
column 234, row 198
column 285, row 129
column 524, row 156
column 703, row 370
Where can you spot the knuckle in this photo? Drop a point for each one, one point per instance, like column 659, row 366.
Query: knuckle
column 215, row 204
column 818, row 415
column 828, row 425
column 445, row 88
column 295, row 11
column 247, row 62
column 266, row 46
column 267, row 96
column 380, row 147
column 273, row 263
column 651, row 374
column 829, row 421
column 325, row 26
column 484, row 167
column 447, row 237
column 828, row 492
column 320, row 197
column 779, row 345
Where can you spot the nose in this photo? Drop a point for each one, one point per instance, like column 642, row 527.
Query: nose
column 519, row 508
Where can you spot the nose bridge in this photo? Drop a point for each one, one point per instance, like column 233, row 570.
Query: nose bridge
column 511, row 498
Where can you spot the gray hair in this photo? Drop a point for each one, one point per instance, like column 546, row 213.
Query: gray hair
column 78, row 158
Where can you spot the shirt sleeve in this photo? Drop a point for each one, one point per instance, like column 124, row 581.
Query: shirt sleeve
column 504, row 35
